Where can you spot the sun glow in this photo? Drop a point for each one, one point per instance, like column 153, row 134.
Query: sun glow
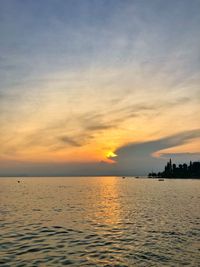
column 111, row 154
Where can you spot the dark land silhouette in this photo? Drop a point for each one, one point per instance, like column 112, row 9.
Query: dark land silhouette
column 178, row 171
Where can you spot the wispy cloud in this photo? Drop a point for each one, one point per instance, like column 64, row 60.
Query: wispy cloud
column 70, row 141
column 74, row 76
column 138, row 157
column 147, row 148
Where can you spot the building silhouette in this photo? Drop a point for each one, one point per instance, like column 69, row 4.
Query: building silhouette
column 178, row 171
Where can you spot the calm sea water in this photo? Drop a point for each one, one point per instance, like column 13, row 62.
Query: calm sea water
column 107, row 221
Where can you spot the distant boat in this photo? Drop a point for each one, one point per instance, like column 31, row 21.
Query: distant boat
column 161, row 179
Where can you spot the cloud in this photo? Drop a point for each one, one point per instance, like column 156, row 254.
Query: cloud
column 147, row 148
column 98, row 127
column 70, row 141
column 182, row 157
column 132, row 159
column 138, row 157
column 91, row 68
column 54, row 169
column 81, row 128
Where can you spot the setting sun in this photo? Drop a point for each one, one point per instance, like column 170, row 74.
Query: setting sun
column 111, row 154
column 99, row 132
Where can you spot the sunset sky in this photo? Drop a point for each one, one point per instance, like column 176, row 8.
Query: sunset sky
column 98, row 87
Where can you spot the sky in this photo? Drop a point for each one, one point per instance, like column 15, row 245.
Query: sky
column 98, row 87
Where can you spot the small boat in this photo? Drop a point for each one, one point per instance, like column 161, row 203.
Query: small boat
column 161, row 179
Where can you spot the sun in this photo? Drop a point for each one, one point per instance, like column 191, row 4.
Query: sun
column 110, row 155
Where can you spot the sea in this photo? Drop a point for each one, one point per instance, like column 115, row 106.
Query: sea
column 99, row 221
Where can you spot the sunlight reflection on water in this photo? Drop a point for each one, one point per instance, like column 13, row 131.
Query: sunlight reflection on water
column 100, row 221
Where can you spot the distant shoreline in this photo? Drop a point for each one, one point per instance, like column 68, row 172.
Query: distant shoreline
column 181, row 171
column 93, row 176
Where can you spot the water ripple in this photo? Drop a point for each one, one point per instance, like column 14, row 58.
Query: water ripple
column 110, row 223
